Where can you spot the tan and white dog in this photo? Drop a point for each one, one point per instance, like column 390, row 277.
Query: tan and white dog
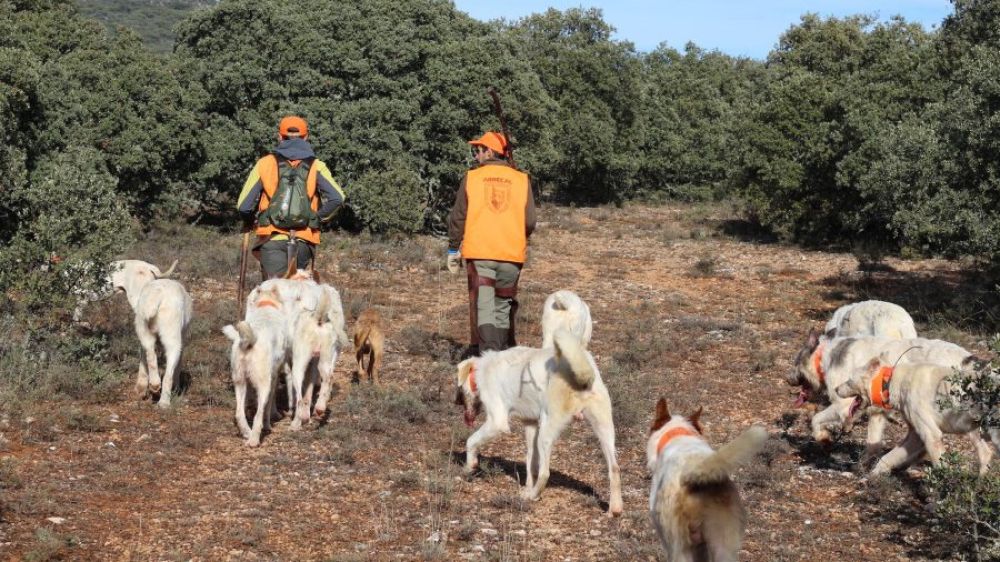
column 544, row 388
column 913, row 389
column 566, row 310
column 695, row 507
column 825, row 365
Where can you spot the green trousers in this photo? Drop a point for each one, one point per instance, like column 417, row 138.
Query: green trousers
column 492, row 303
column 273, row 256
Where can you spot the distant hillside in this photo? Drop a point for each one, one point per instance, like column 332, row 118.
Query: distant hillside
column 154, row 20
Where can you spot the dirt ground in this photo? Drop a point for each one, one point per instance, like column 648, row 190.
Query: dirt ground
column 686, row 305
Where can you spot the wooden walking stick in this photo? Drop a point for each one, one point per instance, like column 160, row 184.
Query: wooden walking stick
column 244, row 250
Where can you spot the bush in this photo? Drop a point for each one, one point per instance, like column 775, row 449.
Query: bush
column 966, row 507
column 70, row 226
column 392, row 200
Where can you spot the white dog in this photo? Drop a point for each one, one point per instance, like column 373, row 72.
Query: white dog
column 544, row 388
column 832, row 363
column 871, row 318
column 259, row 351
column 566, row 310
column 298, row 296
column 914, row 389
column 313, row 355
column 163, row 311
column 695, row 507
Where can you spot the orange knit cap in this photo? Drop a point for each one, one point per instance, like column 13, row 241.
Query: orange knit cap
column 293, row 124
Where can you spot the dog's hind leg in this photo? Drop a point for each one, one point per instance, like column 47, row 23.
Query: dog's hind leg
column 263, row 410
column 172, row 349
column 984, row 450
column 301, row 363
column 530, row 444
column 376, row 365
column 599, row 416
column 549, row 428
column 241, row 404
column 147, row 340
column 327, row 364
column 142, row 379
column 907, row 452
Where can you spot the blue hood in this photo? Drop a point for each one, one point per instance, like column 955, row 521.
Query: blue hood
column 295, row 149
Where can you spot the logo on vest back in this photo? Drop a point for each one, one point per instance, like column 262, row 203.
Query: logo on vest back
column 498, row 194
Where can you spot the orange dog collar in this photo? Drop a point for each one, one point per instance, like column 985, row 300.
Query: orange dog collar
column 668, row 436
column 880, row 387
column 817, row 361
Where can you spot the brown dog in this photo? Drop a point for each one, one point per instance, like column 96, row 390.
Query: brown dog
column 369, row 341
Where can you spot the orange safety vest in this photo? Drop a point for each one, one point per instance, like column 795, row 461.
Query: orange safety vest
column 267, row 167
column 494, row 222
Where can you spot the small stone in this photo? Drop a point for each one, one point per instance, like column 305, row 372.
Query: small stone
column 488, row 531
column 809, row 522
column 595, row 533
column 56, row 520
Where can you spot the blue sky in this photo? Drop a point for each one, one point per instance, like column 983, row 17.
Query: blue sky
column 737, row 27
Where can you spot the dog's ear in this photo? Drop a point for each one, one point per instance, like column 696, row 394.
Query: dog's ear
column 873, row 366
column 464, row 368
column 661, row 416
column 812, row 340
column 693, row 418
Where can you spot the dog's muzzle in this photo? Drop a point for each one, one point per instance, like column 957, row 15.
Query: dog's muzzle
column 471, row 411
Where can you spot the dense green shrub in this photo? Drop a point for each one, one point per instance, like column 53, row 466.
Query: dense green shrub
column 691, row 107
column 393, row 200
column 835, row 86
column 966, row 508
column 70, row 223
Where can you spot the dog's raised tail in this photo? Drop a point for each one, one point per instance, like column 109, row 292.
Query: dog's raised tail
column 571, row 350
column 719, row 465
column 557, row 301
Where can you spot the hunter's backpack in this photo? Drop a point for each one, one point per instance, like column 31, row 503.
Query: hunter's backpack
column 290, row 208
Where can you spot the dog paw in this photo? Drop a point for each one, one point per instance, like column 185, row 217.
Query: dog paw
column 529, row 494
column 163, row 404
column 252, row 442
column 296, row 424
column 615, row 509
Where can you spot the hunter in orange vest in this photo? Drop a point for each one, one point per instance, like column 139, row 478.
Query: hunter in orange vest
column 489, row 226
column 278, row 243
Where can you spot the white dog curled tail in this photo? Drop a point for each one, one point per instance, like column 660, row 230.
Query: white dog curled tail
column 570, row 349
column 242, row 333
column 717, row 466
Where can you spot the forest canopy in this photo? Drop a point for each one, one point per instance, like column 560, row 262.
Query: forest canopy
column 852, row 131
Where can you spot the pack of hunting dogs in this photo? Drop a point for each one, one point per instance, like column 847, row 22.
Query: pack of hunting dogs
column 867, row 360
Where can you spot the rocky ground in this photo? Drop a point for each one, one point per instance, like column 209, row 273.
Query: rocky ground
column 687, row 304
